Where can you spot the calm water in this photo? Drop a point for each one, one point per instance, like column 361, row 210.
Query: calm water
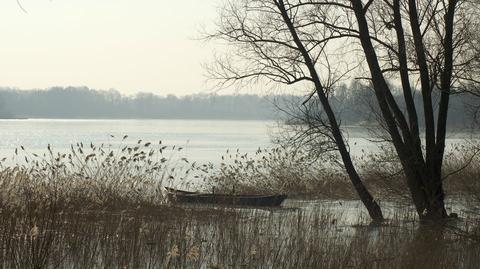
column 202, row 140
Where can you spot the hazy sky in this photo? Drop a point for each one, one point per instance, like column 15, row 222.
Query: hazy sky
column 129, row 45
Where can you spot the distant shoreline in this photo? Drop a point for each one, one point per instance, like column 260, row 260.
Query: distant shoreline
column 189, row 119
column 13, row 118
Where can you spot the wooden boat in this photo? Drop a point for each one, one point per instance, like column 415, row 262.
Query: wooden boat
column 225, row 199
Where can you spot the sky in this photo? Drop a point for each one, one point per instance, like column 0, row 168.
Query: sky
column 129, row 45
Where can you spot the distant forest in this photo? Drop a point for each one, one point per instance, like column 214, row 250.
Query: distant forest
column 85, row 103
column 353, row 102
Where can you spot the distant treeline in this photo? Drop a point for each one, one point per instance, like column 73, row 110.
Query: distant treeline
column 354, row 103
column 85, row 103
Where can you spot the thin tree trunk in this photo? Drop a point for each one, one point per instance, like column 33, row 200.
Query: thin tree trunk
column 402, row 59
column 445, row 84
column 372, row 206
column 425, row 83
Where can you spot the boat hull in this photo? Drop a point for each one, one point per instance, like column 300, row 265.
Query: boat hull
column 224, row 199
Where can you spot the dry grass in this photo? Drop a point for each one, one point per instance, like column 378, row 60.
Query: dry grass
column 283, row 170
column 94, row 177
column 226, row 238
column 277, row 170
column 461, row 170
column 97, row 207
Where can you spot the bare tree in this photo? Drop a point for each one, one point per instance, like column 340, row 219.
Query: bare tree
column 423, row 45
column 285, row 45
column 430, row 47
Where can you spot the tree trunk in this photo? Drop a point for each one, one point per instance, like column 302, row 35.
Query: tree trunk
column 372, row 206
column 435, row 205
column 427, row 192
column 424, row 178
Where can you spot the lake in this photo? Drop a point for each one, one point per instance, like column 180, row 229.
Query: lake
column 202, row 140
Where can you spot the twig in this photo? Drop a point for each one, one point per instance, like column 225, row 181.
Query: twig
column 464, row 166
column 21, row 7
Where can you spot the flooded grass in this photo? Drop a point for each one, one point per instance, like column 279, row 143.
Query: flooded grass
column 107, row 210
column 209, row 237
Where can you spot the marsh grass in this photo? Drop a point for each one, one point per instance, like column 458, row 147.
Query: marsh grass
column 209, row 237
column 92, row 177
column 462, row 170
column 295, row 172
column 277, row 170
column 103, row 207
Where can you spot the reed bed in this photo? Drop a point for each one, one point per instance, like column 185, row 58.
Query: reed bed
column 278, row 170
column 92, row 177
column 104, row 207
column 295, row 172
column 200, row 237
